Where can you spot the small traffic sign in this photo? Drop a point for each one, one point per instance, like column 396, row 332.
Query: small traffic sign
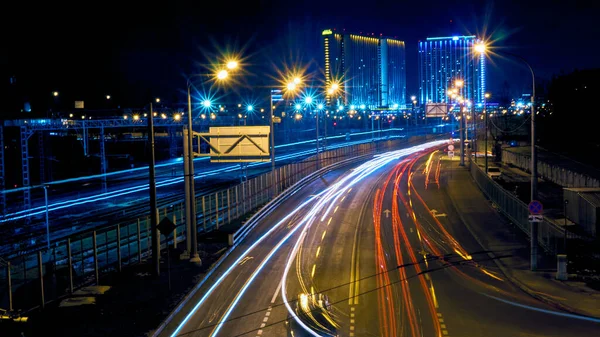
column 450, row 147
column 536, row 218
column 535, row 207
column 450, row 154
column 166, row 226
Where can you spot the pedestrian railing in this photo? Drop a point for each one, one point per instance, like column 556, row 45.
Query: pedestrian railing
column 36, row 278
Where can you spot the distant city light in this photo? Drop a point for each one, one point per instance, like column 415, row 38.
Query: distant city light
column 308, row 100
column 177, row 117
column 395, row 106
column 320, row 106
column 352, row 107
column 157, row 100
column 455, row 38
column 291, row 86
column 206, row 103
column 412, row 98
column 298, row 106
column 55, row 93
column 297, row 80
column 362, row 106
column 136, row 117
column 107, row 96
column 250, row 108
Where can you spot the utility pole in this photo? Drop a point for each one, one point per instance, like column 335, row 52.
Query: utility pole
column 193, row 233
column 462, row 136
column 153, row 206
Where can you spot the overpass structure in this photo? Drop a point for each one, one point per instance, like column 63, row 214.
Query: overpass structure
column 36, row 128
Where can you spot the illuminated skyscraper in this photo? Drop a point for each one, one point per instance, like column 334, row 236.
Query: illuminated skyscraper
column 443, row 60
column 370, row 70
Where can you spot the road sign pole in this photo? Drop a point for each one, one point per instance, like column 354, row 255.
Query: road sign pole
column 535, row 208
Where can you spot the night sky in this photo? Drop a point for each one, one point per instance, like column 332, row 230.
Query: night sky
column 136, row 50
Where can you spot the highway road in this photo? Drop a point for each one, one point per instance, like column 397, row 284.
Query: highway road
column 383, row 245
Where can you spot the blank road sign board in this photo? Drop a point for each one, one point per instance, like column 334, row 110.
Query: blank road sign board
column 239, row 144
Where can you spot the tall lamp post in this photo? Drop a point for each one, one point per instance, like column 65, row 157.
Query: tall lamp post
column 482, row 49
column 190, row 200
column 485, row 115
column 153, row 204
column 458, row 84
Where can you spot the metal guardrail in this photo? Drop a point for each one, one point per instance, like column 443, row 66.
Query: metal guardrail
column 550, row 234
column 40, row 277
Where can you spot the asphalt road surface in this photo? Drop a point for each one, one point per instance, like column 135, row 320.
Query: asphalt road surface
column 384, row 244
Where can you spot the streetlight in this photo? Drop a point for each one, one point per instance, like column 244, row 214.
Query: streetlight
column 107, row 96
column 232, row 64
column 458, row 84
column 157, row 100
column 188, row 165
column 485, row 97
column 482, row 49
column 250, row 108
column 55, row 93
column 222, row 74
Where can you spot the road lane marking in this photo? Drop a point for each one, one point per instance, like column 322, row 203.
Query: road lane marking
column 442, row 323
column 246, row 259
column 328, row 222
column 323, row 236
column 336, row 208
column 351, row 321
column 312, row 273
column 318, row 251
column 275, row 294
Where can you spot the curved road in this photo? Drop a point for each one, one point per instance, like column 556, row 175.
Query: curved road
column 383, row 242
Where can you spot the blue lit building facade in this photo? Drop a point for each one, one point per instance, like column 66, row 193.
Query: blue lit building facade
column 370, row 70
column 442, row 60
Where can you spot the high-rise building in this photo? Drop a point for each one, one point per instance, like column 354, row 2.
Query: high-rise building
column 370, row 70
column 442, row 60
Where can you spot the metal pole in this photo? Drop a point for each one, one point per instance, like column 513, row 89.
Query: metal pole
column 486, row 133
column 118, row 247
column 462, row 137
column 95, row 248
column 317, row 142
column 153, row 207
column 186, row 174
column 41, row 274
column 565, row 229
column 70, row 257
column 8, row 277
column 534, row 173
column 47, row 217
column 272, row 136
column 192, row 194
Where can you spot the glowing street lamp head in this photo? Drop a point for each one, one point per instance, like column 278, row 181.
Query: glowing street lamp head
column 55, row 93
column 412, row 98
column 222, row 74
column 206, row 103
column 298, row 106
column 291, row 86
column 157, row 100
column 308, row 100
column 320, row 106
column 249, row 108
column 335, row 86
column 487, row 95
column 297, row 80
column 480, row 48
column 232, row 64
